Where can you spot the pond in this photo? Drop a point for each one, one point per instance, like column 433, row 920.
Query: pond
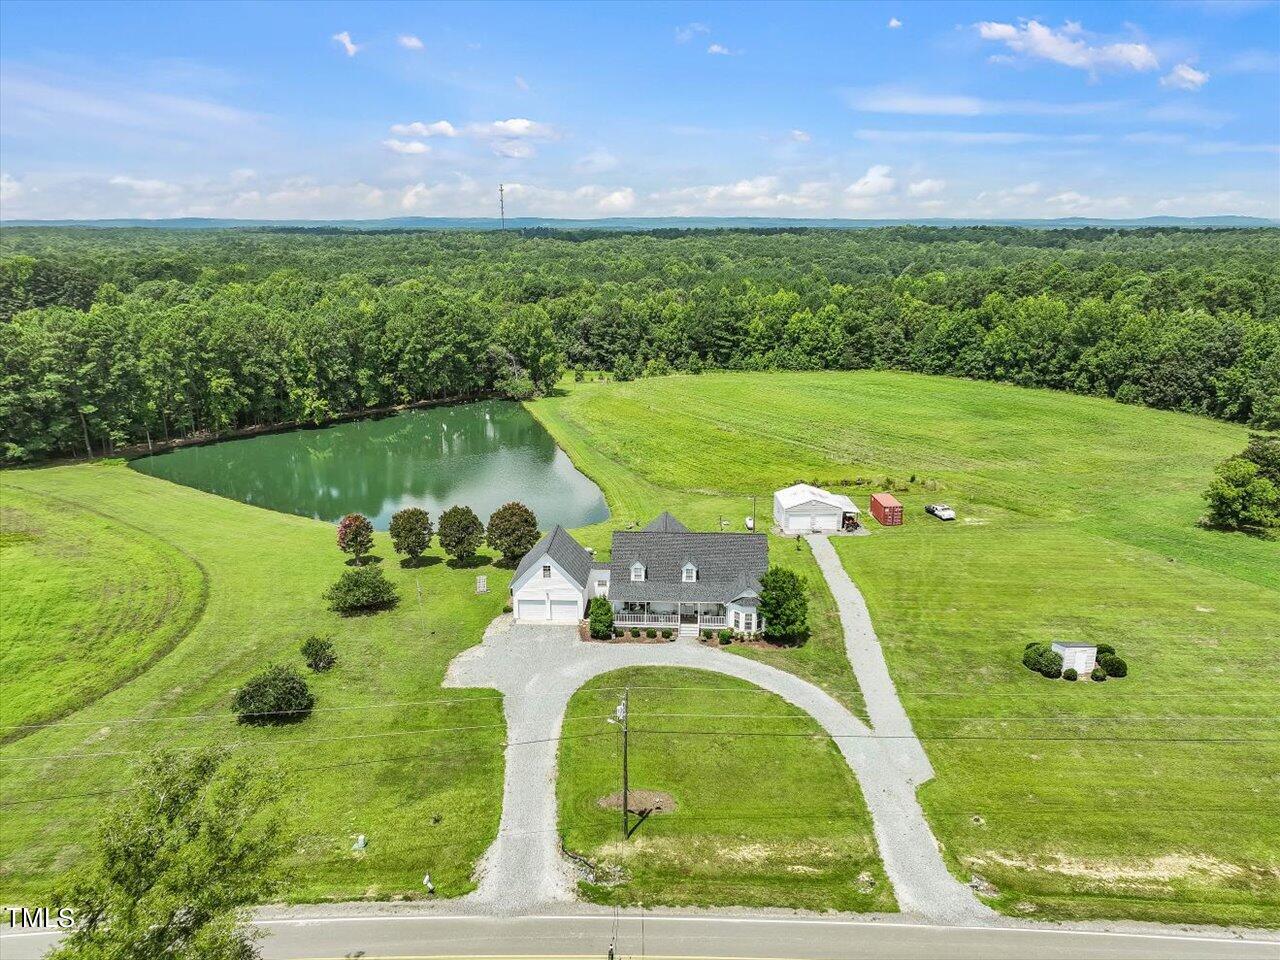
column 478, row 454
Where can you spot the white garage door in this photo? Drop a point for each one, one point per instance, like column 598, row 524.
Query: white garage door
column 803, row 523
column 798, row 523
column 532, row 610
column 564, row 611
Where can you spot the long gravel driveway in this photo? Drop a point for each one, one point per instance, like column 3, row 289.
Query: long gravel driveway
column 538, row 668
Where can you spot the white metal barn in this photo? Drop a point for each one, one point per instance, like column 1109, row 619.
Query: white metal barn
column 550, row 585
column 1080, row 657
column 805, row 509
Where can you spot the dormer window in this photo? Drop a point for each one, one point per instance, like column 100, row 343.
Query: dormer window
column 637, row 572
column 690, row 573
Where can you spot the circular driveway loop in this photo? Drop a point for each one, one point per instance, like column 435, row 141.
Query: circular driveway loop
column 538, row 668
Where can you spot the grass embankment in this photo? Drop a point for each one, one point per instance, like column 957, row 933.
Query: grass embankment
column 87, row 602
column 1123, row 799
column 387, row 753
column 767, row 822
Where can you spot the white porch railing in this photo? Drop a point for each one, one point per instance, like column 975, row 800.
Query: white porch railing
column 713, row 621
column 646, row 619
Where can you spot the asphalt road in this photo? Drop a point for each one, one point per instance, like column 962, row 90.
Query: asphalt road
column 404, row 936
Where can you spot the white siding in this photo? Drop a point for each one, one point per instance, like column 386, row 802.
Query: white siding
column 540, row 599
column 804, row 517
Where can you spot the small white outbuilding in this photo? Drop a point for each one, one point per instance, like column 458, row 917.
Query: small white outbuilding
column 805, row 509
column 1080, row 657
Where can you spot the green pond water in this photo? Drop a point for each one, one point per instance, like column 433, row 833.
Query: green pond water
column 481, row 455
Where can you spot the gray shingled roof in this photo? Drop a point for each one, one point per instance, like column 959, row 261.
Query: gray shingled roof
column 564, row 550
column 729, row 565
column 665, row 523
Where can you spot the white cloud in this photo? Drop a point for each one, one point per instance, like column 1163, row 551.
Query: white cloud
column 409, row 41
column 516, row 127
column 915, row 103
column 1156, row 139
column 145, row 187
column 973, row 137
column 440, row 128
column 1211, row 147
column 1066, row 46
column 926, row 187
column 10, row 189
column 243, row 175
column 617, row 201
column 763, row 194
column 800, row 136
column 344, row 40
column 1254, row 61
column 407, row 147
column 597, row 161
column 689, row 31
column 521, row 83
column 720, row 50
column 894, row 23
column 1189, row 113
column 513, row 149
column 876, row 182
column 1184, row 77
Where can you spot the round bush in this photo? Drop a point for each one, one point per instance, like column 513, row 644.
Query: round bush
column 318, row 652
column 725, row 641
column 708, row 634
column 1051, row 664
column 1031, row 655
column 1105, row 648
column 277, row 695
column 1070, row 674
column 666, row 634
column 1098, row 674
column 361, row 590
column 1113, row 665
column 651, row 633
column 726, row 636
column 600, row 618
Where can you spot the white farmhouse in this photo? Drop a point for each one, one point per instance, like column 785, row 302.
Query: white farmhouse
column 805, row 509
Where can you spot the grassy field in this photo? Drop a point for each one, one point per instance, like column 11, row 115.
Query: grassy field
column 765, row 822
column 87, row 603
column 1131, row 798
column 387, row 753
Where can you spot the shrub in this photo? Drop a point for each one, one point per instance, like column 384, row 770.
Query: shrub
column 411, row 532
column 1070, row 674
column 318, row 652
column 1051, row 664
column 725, row 641
column 355, row 535
column 618, row 631
column 1098, row 674
column 784, row 606
column 460, row 532
column 708, row 634
column 1242, row 497
column 726, row 636
column 513, row 530
column 1031, row 655
column 651, row 633
column 1105, row 648
column 600, row 618
column 277, row 695
column 1113, row 665
column 635, row 633
column 360, row 590
column 666, row 634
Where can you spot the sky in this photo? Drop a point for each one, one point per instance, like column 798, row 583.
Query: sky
column 880, row 110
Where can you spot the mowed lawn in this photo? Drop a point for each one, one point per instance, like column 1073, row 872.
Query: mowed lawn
column 1150, row 797
column 387, row 753
column 760, row 821
column 87, row 602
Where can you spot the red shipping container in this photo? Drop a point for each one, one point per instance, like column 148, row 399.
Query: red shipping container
column 886, row 508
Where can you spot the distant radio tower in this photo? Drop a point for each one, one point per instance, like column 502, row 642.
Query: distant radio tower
column 502, row 207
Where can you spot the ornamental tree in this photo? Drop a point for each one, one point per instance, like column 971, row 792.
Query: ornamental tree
column 411, row 532
column 175, row 864
column 1241, row 498
column 784, row 606
column 355, row 535
column 600, row 618
column 277, row 695
column 461, row 533
column 513, row 530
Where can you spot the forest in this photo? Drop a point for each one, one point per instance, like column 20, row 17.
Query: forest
column 111, row 339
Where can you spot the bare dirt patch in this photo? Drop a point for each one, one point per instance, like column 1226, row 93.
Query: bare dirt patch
column 1173, row 866
column 640, row 801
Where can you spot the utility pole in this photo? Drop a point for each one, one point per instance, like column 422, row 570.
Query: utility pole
column 626, row 790
column 502, row 206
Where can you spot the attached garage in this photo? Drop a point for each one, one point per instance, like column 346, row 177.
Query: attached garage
column 805, row 509
column 550, row 584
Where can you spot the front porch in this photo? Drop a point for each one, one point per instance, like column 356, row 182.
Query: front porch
column 700, row 616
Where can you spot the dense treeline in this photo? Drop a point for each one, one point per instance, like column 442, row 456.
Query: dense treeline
column 116, row 337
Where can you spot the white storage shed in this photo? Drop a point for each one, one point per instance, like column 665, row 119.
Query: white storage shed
column 805, row 509
column 1080, row 657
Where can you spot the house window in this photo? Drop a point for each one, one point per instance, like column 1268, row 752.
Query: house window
column 546, row 571
column 690, row 573
column 602, row 584
column 736, row 624
column 637, row 571
column 748, row 622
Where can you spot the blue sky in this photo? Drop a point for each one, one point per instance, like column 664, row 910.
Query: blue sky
column 608, row 109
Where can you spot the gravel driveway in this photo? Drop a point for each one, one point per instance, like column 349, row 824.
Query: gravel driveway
column 538, row 668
